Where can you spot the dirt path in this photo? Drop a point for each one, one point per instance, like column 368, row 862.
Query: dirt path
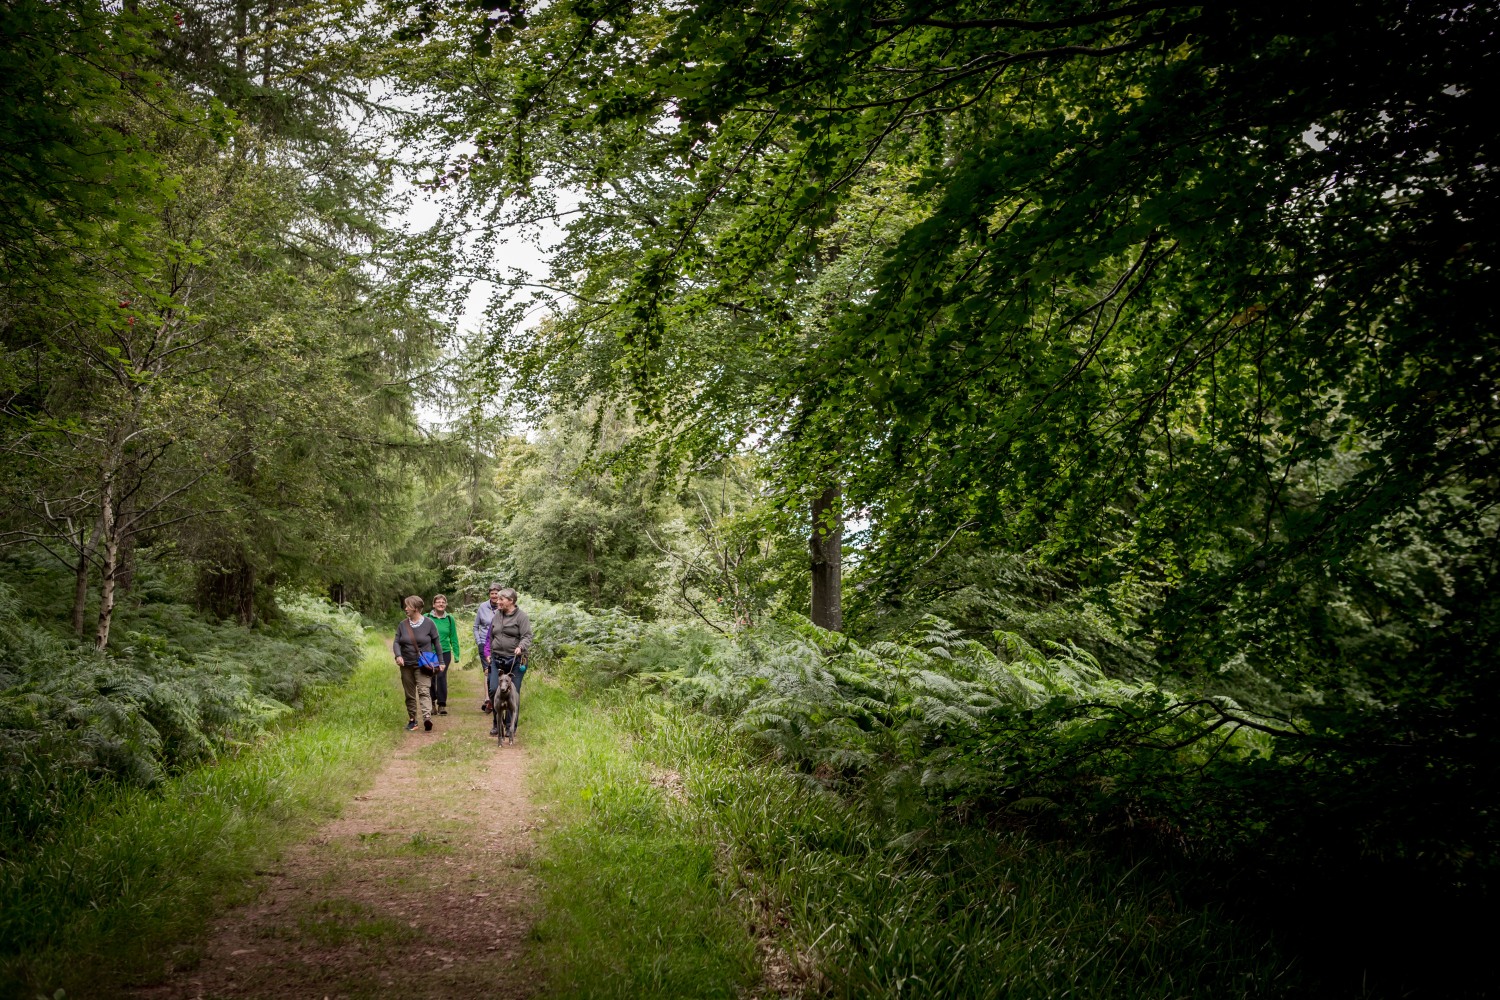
column 425, row 887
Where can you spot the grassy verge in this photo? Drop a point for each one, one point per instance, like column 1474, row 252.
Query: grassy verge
column 99, row 903
column 681, row 845
column 632, row 903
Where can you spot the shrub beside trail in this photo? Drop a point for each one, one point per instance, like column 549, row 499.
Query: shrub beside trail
column 824, row 775
column 903, row 806
column 172, row 692
column 134, row 855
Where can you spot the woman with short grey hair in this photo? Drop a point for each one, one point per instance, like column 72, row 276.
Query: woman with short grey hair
column 507, row 642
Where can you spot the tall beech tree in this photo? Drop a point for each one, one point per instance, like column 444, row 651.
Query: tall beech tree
column 1188, row 308
column 1190, row 301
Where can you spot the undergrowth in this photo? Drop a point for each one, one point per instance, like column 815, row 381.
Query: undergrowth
column 122, row 875
column 172, row 692
column 824, row 774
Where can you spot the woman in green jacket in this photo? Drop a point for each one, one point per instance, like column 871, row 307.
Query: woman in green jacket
column 447, row 630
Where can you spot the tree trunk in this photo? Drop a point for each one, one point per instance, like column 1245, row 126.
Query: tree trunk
column 80, row 593
column 109, row 529
column 826, row 546
column 86, row 546
column 125, row 573
column 588, row 548
column 246, row 605
column 229, row 592
column 266, row 53
column 241, row 29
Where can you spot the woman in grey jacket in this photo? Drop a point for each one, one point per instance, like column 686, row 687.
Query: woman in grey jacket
column 506, row 642
column 414, row 636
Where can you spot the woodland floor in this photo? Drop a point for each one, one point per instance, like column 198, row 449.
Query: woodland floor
column 425, row 887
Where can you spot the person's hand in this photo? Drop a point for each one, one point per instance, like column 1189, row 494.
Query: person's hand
column 400, row 662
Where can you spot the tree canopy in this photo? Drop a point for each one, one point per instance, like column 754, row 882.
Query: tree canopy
column 213, row 341
column 1192, row 302
column 1160, row 336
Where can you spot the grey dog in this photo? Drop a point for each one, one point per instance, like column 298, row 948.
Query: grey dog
column 507, row 708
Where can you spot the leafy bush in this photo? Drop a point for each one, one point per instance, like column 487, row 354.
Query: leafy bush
column 824, row 703
column 1361, row 832
column 173, row 691
column 823, row 772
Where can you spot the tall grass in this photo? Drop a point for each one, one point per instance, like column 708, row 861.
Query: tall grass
column 631, row 903
column 816, row 770
column 870, row 899
column 127, row 874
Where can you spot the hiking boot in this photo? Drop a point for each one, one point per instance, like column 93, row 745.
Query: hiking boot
column 427, row 724
column 411, row 725
column 442, row 710
column 494, row 730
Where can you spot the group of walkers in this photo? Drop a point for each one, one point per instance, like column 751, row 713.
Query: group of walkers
column 426, row 645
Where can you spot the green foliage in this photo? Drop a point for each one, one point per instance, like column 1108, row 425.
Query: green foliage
column 730, row 558
column 870, row 892
column 821, row 703
column 982, row 590
column 1079, row 284
column 225, row 345
column 576, row 529
column 948, row 739
column 580, row 515
column 130, row 873
column 1165, row 329
column 173, row 692
column 76, row 178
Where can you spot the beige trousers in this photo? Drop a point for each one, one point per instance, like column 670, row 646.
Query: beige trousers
column 418, row 687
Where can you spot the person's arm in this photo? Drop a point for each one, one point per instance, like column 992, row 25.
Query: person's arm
column 453, row 630
column 396, row 647
column 481, row 627
column 523, row 642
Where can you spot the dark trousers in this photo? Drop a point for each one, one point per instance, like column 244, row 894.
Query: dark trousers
column 502, row 664
column 440, row 681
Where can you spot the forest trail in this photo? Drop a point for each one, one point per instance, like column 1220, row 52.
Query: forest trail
column 424, row 887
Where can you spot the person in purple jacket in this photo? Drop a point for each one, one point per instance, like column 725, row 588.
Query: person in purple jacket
column 483, row 615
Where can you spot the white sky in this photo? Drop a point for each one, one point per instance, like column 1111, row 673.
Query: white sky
column 528, row 253
column 524, row 256
column 530, row 256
